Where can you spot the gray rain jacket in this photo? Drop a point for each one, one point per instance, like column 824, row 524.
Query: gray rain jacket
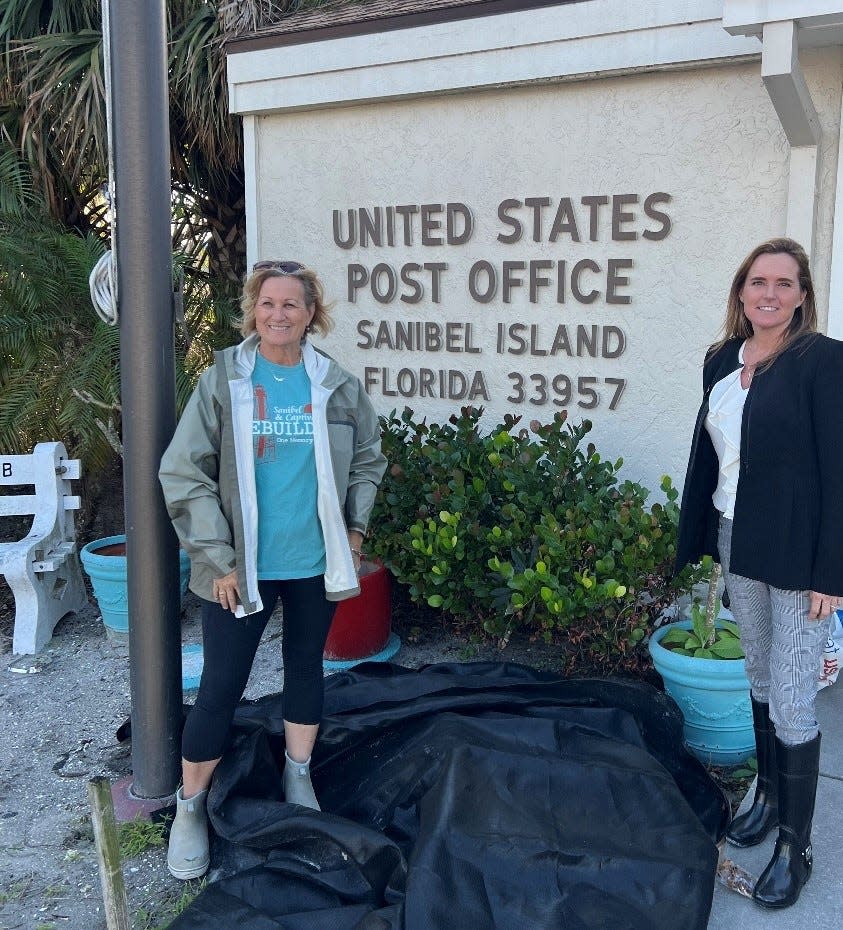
column 208, row 473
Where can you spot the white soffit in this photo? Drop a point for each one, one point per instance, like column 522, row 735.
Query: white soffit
column 820, row 22
column 575, row 40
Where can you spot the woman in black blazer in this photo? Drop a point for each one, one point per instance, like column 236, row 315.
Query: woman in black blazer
column 764, row 495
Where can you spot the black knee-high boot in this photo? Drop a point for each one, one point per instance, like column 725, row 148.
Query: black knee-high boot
column 782, row 881
column 751, row 827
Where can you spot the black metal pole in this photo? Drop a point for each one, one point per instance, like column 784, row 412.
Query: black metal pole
column 141, row 152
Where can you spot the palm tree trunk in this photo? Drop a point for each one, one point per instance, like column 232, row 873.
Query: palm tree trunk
column 226, row 246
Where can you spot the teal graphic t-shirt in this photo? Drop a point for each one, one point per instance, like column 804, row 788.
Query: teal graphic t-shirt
column 290, row 542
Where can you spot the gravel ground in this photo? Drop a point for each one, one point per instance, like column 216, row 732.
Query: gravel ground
column 60, row 713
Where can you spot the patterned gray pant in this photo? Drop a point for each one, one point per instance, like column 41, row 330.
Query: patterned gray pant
column 783, row 647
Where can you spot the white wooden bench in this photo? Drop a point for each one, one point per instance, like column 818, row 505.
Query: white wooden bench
column 42, row 569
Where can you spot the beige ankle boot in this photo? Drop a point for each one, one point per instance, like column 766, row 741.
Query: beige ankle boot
column 188, row 856
column 297, row 785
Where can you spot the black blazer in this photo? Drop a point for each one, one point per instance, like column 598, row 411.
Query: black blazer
column 788, row 523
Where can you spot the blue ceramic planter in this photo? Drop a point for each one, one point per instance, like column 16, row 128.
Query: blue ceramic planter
column 105, row 562
column 713, row 695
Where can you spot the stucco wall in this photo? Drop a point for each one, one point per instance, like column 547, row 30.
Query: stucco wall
column 708, row 138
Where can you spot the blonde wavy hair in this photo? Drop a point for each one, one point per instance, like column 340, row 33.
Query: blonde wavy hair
column 314, row 295
column 804, row 320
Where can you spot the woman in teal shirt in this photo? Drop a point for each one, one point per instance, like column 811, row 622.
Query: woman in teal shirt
column 269, row 480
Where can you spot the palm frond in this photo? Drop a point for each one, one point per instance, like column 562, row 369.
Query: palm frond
column 52, row 112
column 208, row 141
column 243, row 16
column 16, row 190
column 66, row 100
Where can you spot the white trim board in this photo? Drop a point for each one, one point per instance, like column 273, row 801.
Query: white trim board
column 588, row 39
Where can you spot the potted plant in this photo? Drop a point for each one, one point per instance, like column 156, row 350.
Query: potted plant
column 104, row 560
column 702, row 665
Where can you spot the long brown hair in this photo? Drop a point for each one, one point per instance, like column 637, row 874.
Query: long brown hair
column 804, row 320
column 314, row 294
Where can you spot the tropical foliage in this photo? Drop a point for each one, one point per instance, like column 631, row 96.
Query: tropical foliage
column 59, row 362
column 59, row 365
column 52, row 112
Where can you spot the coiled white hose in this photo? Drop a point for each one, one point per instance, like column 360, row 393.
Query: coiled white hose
column 104, row 290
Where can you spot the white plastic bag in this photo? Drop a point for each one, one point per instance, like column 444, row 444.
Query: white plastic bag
column 833, row 652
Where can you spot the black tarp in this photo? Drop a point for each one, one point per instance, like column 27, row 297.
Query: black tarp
column 467, row 796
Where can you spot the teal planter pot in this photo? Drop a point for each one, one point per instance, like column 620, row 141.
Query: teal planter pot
column 713, row 695
column 104, row 560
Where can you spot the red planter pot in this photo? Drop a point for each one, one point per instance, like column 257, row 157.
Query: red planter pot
column 362, row 624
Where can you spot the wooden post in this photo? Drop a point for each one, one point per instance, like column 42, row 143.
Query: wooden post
column 108, row 854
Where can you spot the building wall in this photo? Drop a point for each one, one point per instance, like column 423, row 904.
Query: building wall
column 709, row 139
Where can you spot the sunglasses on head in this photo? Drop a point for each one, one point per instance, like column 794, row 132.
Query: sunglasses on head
column 283, row 267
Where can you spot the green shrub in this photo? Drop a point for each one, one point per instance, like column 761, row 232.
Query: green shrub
column 527, row 529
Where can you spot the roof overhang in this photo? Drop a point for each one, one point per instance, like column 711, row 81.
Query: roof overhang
column 542, row 43
column 309, row 26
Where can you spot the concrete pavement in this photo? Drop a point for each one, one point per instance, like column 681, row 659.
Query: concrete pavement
column 820, row 906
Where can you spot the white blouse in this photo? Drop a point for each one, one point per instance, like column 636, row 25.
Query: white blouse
column 725, row 414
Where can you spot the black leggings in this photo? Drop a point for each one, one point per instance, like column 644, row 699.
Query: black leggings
column 229, row 646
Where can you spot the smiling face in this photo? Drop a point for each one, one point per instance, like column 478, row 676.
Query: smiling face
column 281, row 317
column 771, row 294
